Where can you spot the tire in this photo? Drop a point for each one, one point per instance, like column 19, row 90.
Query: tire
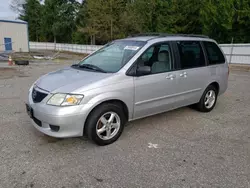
column 22, row 62
column 97, row 119
column 204, row 105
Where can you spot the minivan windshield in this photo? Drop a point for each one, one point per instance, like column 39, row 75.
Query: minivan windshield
column 112, row 57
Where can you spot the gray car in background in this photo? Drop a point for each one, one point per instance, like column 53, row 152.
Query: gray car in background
column 125, row 80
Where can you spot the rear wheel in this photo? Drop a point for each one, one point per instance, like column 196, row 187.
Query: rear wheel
column 208, row 99
column 105, row 124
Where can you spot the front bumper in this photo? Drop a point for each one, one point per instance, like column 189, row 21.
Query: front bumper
column 70, row 120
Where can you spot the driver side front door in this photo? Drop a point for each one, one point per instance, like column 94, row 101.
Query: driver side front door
column 155, row 93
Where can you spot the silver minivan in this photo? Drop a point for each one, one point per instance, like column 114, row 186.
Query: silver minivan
column 125, row 80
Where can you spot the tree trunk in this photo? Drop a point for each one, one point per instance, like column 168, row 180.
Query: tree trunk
column 111, row 21
column 111, row 30
column 93, row 39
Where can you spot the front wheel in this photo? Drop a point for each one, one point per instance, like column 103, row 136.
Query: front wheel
column 208, row 99
column 105, row 124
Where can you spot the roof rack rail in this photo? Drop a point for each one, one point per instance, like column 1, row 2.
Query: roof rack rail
column 167, row 35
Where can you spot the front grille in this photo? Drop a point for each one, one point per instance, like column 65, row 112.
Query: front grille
column 38, row 96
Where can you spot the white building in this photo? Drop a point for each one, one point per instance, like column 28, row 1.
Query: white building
column 14, row 36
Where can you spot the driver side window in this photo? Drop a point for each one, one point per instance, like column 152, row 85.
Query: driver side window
column 148, row 54
column 158, row 58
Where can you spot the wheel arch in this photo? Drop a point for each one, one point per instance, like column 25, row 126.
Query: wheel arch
column 119, row 102
column 216, row 85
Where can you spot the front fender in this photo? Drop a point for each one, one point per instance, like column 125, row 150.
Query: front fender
column 126, row 98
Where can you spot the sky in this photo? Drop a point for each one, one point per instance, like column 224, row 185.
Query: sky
column 6, row 12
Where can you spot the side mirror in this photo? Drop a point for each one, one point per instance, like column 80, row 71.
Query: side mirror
column 143, row 70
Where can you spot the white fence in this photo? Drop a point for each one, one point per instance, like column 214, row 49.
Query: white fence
column 235, row 53
column 87, row 49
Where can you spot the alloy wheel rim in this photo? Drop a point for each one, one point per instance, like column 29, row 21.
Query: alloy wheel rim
column 210, row 99
column 108, row 125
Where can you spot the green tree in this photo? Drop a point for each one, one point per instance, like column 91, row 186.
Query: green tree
column 217, row 19
column 58, row 19
column 241, row 21
column 185, row 16
column 30, row 11
column 100, row 21
column 80, row 36
column 147, row 16
column 103, row 19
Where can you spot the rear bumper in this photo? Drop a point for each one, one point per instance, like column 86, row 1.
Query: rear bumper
column 70, row 120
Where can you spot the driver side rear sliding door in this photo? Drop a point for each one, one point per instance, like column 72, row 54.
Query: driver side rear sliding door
column 193, row 75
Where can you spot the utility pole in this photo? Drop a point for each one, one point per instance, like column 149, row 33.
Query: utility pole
column 231, row 52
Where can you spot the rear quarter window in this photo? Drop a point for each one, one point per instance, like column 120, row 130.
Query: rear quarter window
column 214, row 53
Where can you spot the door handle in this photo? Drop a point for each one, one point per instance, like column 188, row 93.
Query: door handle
column 184, row 74
column 170, row 77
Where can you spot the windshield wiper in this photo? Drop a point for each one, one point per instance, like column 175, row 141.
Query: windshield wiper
column 89, row 66
column 75, row 65
column 92, row 67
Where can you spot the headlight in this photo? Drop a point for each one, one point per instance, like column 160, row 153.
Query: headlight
column 61, row 99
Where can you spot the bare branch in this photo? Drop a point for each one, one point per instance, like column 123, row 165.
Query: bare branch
column 17, row 6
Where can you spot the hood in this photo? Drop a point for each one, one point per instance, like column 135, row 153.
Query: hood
column 69, row 79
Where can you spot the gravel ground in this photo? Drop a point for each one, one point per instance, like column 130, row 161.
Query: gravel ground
column 181, row 148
